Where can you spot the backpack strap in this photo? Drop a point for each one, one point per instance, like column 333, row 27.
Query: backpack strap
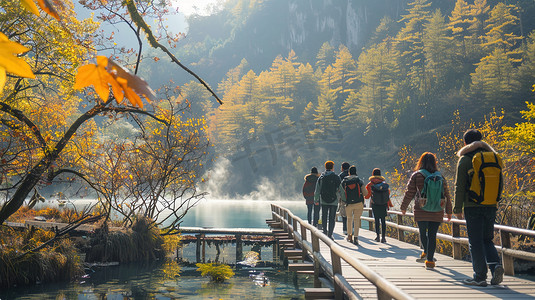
column 424, row 172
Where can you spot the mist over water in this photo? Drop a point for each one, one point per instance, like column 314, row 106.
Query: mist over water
column 225, row 213
column 225, row 180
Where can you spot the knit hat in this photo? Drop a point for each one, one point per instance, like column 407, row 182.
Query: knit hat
column 376, row 172
column 314, row 170
column 329, row 165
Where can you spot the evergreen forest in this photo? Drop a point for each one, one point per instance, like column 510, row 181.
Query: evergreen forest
column 420, row 75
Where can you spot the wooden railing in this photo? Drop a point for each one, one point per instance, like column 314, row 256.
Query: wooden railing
column 201, row 232
column 505, row 232
column 300, row 231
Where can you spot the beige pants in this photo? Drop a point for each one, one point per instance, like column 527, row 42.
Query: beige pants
column 354, row 211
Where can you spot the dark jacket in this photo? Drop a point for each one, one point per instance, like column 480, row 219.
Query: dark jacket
column 462, row 179
column 339, row 192
column 416, row 183
column 373, row 180
column 310, row 180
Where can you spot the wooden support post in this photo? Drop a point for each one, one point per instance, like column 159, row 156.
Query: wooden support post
column 401, row 232
column 239, row 248
column 456, row 233
column 317, row 266
column 203, row 248
column 294, row 225
column 370, row 223
column 275, row 250
column 507, row 260
column 304, row 237
column 198, row 248
column 337, row 269
column 381, row 295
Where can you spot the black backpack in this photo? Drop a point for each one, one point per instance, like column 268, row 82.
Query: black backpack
column 353, row 191
column 329, row 186
column 380, row 193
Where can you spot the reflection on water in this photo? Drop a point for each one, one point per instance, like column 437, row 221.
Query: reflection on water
column 152, row 282
column 237, row 213
column 141, row 281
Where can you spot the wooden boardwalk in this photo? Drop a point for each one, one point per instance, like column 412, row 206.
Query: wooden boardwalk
column 396, row 262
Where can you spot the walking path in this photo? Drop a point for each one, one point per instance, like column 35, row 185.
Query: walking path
column 396, row 262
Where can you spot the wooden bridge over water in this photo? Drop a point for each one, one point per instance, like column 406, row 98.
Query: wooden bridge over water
column 389, row 270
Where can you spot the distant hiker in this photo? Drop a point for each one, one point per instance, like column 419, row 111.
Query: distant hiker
column 354, row 202
column 328, row 191
column 341, row 206
column 379, row 192
column 478, row 187
column 308, row 192
column 430, row 190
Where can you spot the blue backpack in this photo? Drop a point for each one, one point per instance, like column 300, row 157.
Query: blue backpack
column 432, row 194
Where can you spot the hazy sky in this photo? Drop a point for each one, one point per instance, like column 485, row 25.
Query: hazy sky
column 201, row 7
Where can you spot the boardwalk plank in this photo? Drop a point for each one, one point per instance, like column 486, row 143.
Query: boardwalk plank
column 395, row 261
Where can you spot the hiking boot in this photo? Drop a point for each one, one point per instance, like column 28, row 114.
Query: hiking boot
column 429, row 264
column 356, row 241
column 383, row 240
column 349, row 238
column 471, row 281
column 497, row 277
column 423, row 257
column 377, row 239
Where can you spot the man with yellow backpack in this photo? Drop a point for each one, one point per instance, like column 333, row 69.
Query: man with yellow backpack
column 478, row 187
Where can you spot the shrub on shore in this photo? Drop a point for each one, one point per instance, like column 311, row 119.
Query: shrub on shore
column 58, row 261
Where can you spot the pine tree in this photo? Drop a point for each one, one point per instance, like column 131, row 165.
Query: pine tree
column 494, row 78
column 326, row 124
column 233, row 76
column 409, row 43
column 437, row 49
column 247, row 94
column 345, row 70
column 459, row 22
column 498, row 30
column 306, row 88
column 325, row 56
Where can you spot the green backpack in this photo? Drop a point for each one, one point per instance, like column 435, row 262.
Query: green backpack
column 432, row 194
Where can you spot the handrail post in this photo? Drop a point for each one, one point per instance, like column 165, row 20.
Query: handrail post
column 456, row 246
column 316, row 249
column 294, row 225
column 507, row 260
column 285, row 224
column 304, row 237
column 401, row 232
column 371, row 223
column 337, row 269
column 382, row 295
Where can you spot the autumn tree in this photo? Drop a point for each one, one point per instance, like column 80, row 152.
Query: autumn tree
column 325, row 56
column 54, row 63
column 326, row 124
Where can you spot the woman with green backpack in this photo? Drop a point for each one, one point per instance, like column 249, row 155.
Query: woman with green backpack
column 430, row 191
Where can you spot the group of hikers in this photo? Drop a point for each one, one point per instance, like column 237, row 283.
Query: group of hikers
column 478, row 186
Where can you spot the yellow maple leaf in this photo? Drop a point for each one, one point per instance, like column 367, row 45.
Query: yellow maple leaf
column 99, row 77
column 134, row 82
column 129, row 93
column 49, row 8
column 30, row 6
column 9, row 62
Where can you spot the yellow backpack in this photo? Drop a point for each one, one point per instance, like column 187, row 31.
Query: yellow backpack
column 486, row 178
